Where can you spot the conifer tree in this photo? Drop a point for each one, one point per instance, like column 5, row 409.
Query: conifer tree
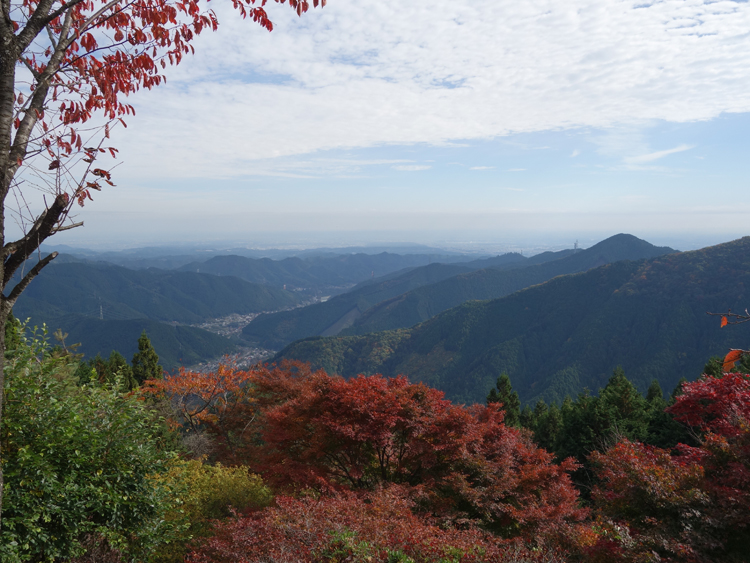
column 114, row 368
column 503, row 393
column 146, row 361
column 621, row 408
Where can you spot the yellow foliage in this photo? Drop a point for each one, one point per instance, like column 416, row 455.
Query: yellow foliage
column 206, row 493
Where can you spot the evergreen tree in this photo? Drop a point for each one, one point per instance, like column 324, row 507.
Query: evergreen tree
column 548, row 428
column 621, row 409
column 527, row 418
column 503, row 393
column 654, row 393
column 663, row 430
column 114, row 368
column 146, row 361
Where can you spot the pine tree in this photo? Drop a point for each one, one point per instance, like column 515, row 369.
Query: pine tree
column 146, row 361
column 503, row 393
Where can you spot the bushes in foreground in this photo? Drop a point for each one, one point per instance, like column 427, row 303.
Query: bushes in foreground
column 78, row 462
column 380, row 525
column 366, row 469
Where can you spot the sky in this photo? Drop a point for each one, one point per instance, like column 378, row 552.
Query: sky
column 453, row 122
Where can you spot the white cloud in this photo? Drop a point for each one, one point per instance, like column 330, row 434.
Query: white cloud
column 482, row 168
column 516, row 170
column 650, row 157
column 575, row 153
column 365, row 73
column 411, row 167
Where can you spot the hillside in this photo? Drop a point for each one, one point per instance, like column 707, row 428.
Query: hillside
column 314, row 272
column 119, row 293
column 176, row 345
column 416, row 296
column 420, row 304
column 276, row 330
column 567, row 334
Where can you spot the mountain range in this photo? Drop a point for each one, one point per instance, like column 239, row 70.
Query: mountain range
column 569, row 333
column 329, row 273
column 105, row 307
column 400, row 301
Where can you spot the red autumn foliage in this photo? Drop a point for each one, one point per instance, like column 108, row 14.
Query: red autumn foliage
column 692, row 506
column 658, row 498
column 720, row 405
column 346, row 526
column 332, row 434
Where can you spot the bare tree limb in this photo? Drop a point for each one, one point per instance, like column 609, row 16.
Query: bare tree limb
column 34, row 272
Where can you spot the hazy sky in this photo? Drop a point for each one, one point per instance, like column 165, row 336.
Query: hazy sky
column 460, row 118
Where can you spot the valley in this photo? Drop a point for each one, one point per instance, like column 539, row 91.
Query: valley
column 556, row 322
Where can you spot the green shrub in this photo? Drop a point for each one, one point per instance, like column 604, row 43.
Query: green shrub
column 79, row 463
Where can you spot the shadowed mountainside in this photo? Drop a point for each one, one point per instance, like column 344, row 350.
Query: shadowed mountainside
column 420, row 294
column 329, row 318
column 119, row 293
column 557, row 338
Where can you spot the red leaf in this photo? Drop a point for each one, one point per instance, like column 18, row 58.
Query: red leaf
column 730, row 360
column 724, row 322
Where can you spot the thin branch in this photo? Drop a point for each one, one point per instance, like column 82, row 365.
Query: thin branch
column 733, row 318
column 67, row 227
column 34, row 272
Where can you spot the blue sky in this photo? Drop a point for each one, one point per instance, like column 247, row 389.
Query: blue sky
column 462, row 120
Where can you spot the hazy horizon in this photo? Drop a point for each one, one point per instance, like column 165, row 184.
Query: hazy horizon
column 466, row 242
column 463, row 121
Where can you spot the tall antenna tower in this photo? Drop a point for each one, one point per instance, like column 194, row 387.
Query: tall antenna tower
column 575, row 246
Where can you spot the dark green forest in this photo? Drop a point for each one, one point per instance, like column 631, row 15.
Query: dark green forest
column 418, row 295
column 557, row 338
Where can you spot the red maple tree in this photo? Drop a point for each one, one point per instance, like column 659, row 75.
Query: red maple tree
column 65, row 68
column 220, row 402
column 358, row 434
column 691, row 504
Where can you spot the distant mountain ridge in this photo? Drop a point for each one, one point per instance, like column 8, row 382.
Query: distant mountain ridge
column 569, row 333
column 176, row 345
column 316, row 272
column 425, row 302
column 400, row 301
column 72, row 295
column 326, row 319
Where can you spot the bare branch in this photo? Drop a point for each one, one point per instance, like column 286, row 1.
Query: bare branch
column 67, row 227
column 733, row 318
column 34, row 272
column 44, row 226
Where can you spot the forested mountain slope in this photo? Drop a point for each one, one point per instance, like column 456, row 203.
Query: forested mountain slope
column 425, row 302
column 119, row 293
column 276, row 330
column 567, row 334
column 176, row 345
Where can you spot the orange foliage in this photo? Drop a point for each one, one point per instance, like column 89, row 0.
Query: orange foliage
column 220, row 402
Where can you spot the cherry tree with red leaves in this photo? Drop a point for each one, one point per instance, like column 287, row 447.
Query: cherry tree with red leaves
column 66, row 67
